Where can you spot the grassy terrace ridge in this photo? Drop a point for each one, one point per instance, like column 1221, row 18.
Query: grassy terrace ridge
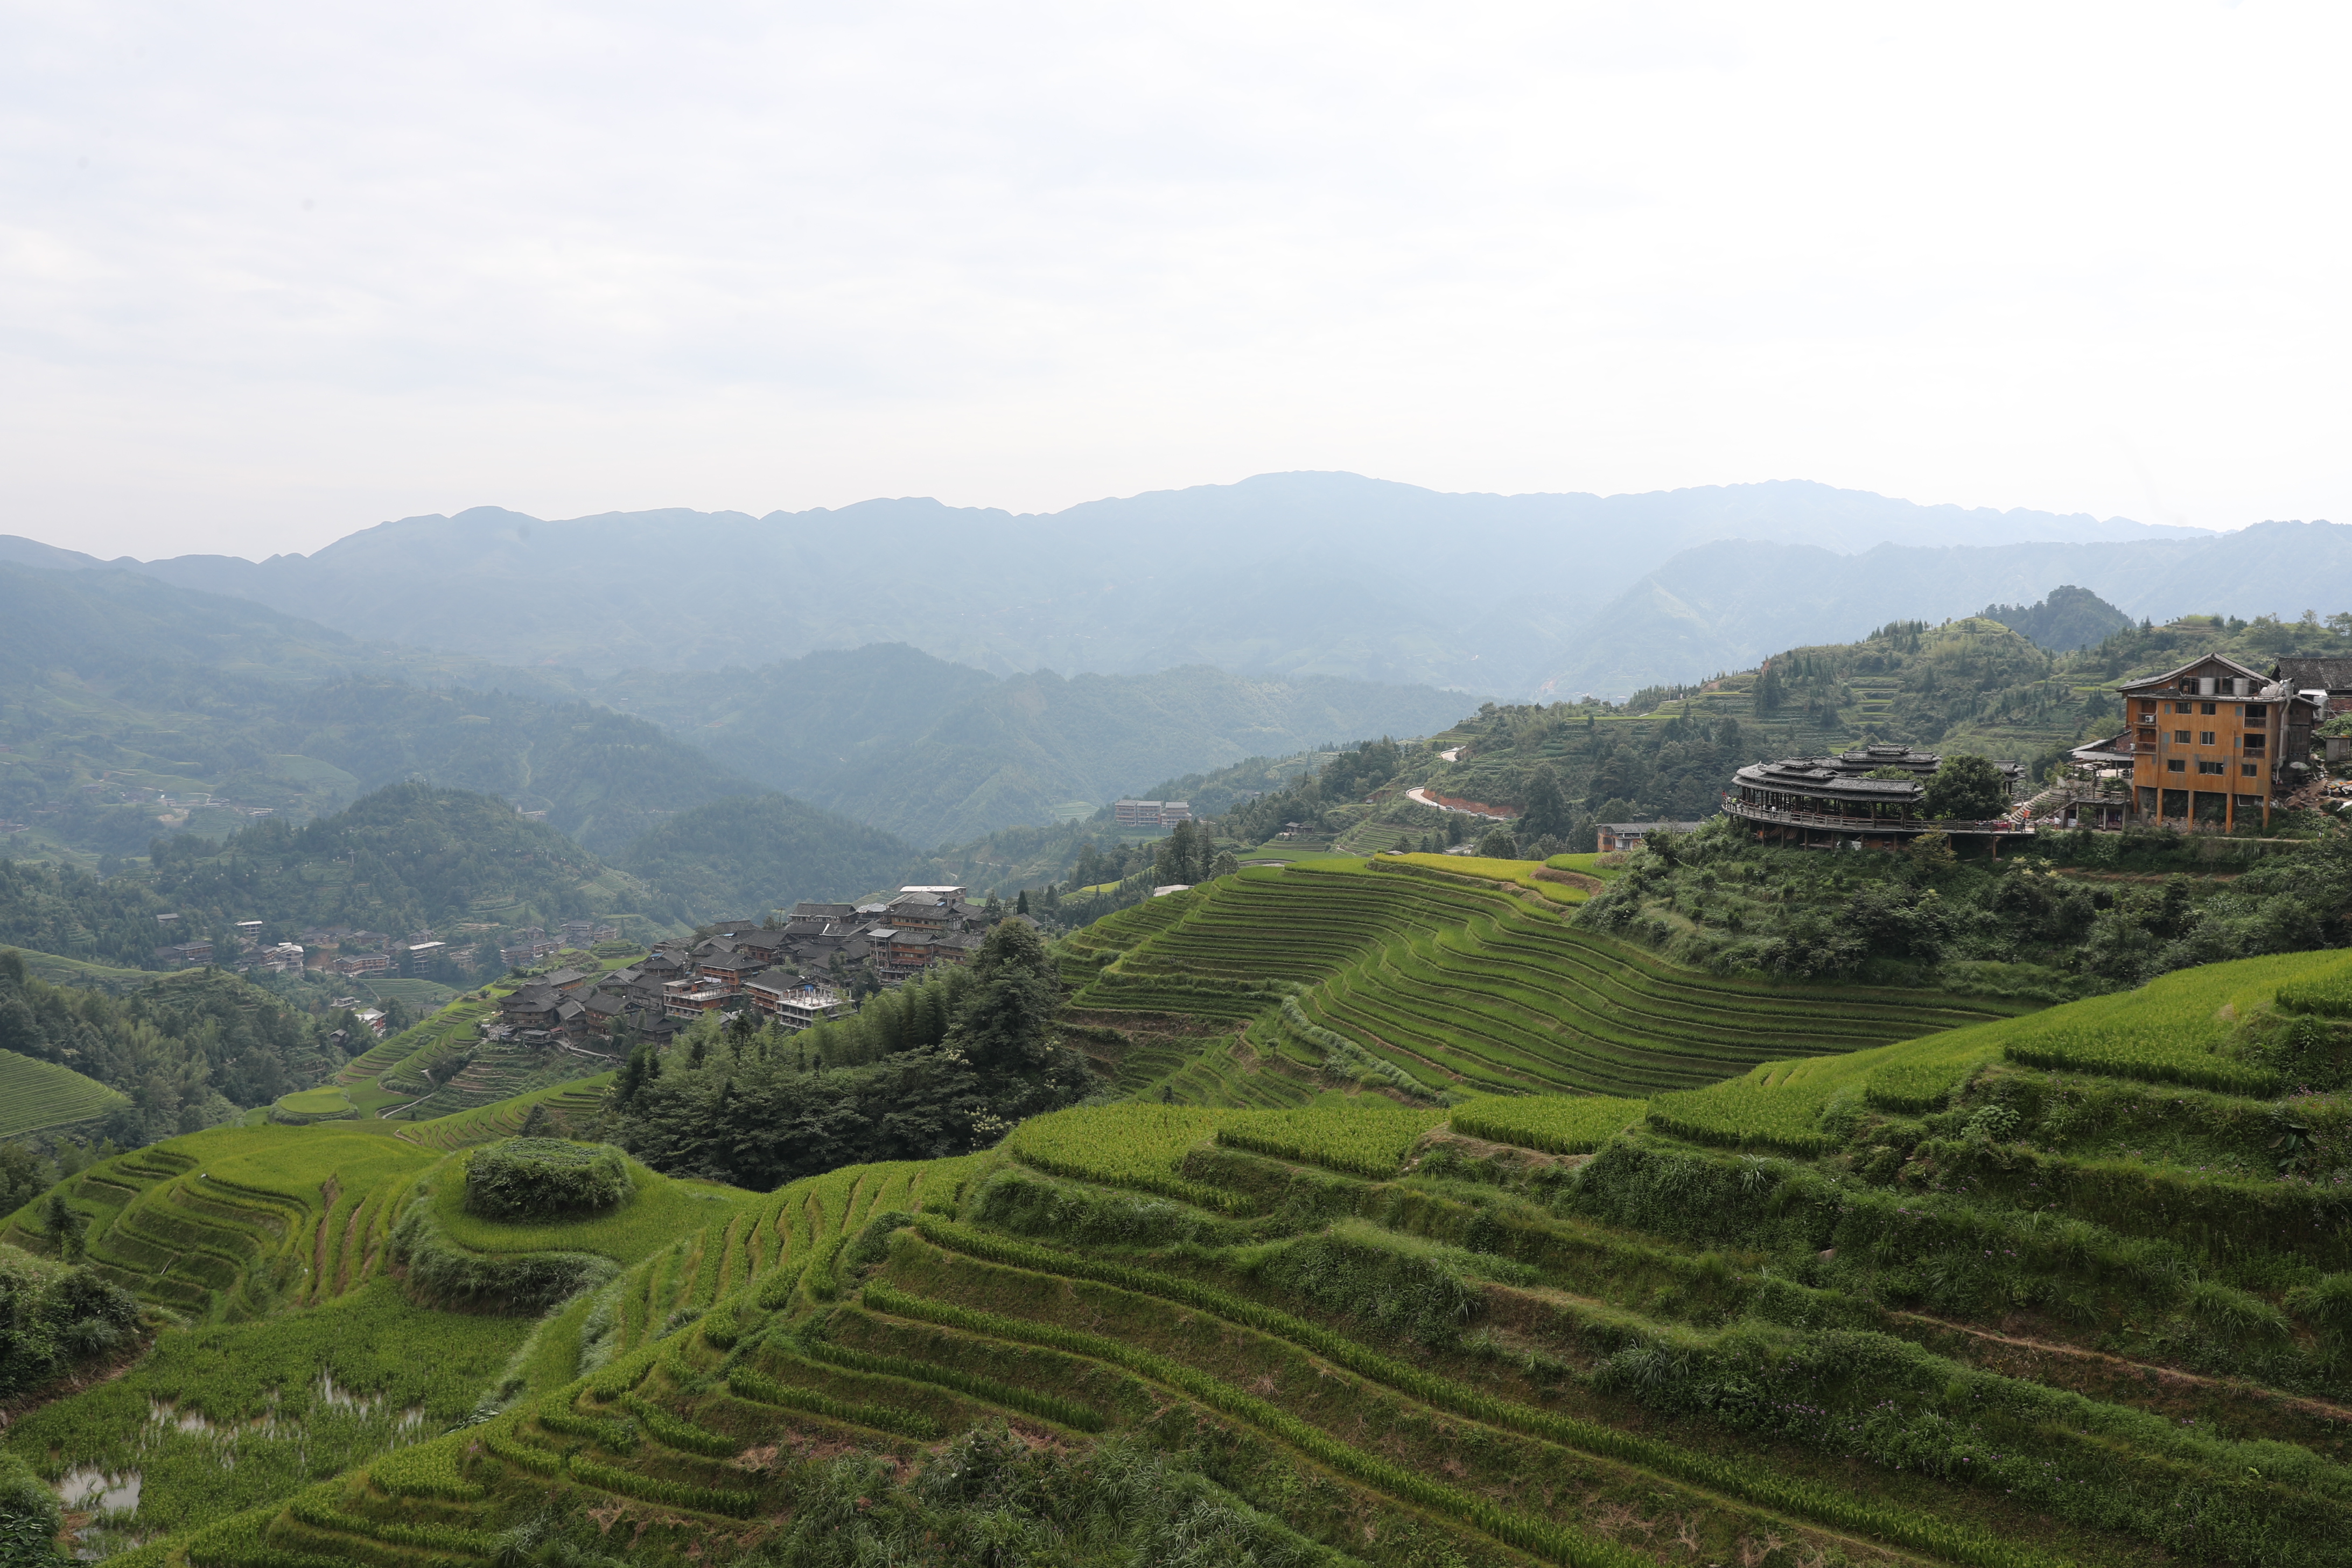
column 1936, row 1302
column 571, row 1105
column 1417, row 975
column 36, row 1096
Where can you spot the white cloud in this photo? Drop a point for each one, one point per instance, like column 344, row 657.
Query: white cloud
column 572, row 258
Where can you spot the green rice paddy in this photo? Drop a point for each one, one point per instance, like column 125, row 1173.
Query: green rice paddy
column 1463, row 987
column 36, row 1096
column 1692, row 1331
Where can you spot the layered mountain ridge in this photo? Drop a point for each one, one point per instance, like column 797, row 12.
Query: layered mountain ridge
column 1291, row 575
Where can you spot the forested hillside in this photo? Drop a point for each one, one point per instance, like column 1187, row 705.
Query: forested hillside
column 934, row 1068
column 133, row 708
column 758, row 852
column 2065, row 914
column 938, row 754
column 130, row 709
column 405, row 858
column 188, row 1051
column 2068, row 619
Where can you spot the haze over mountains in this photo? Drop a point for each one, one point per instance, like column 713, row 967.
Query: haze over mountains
column 116, row 686
column 1283, row 575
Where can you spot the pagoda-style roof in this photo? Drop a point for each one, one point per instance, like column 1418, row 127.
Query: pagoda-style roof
column 1824, row 779
column 1884, row 754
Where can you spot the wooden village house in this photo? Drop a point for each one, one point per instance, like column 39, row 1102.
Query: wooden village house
column 2212, row 744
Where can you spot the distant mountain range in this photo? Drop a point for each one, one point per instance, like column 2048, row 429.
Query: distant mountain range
column 126, row 702
column 1724, row 606
column 1282, row 575
column 940, row 753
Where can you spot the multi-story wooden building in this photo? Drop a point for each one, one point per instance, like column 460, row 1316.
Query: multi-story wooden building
column 2212, row 744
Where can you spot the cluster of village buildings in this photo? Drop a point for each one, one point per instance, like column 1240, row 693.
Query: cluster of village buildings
column 2214, row 744
column 1151, row 813
column 783, row 973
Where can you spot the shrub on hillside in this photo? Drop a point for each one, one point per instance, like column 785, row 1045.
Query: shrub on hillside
column 52, row 1316
column 28, row 1514
column 442, row 1273
column 531, row 1179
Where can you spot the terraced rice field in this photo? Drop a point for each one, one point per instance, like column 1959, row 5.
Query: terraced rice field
column 1464, row 987
column 1348, row 1372
column 1620, row 1344
column 1223, row 1071
column 573, row 1105
column 230, row 1224
column 35, row 1095
column 498, row 1073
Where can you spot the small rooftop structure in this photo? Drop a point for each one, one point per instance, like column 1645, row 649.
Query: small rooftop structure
column 1616, row 837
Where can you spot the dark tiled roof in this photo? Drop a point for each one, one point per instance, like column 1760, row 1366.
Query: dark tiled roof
column 2110, row 748
column 2170, row 677
column 2308, row 674
column 1807, row 776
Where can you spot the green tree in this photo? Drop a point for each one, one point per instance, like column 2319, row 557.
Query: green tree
column 1546, row 813
column 1179, row 859
column 1931, row 853
column 24, row 1175
column 65, row 1225
column 1007, row 1024
column 1498, row 844
column 1224, row 864
column 1969, row 788
column 642, row 1065
column 1021, row 905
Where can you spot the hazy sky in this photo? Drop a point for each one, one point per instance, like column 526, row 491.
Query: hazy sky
column 272, row 272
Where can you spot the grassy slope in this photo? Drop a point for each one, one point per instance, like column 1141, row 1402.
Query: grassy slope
column 1408, row 1343
column 407, row 1077
column 59, row 971
column 266, row 1249
column 1443, row 974
column 35, row 1095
